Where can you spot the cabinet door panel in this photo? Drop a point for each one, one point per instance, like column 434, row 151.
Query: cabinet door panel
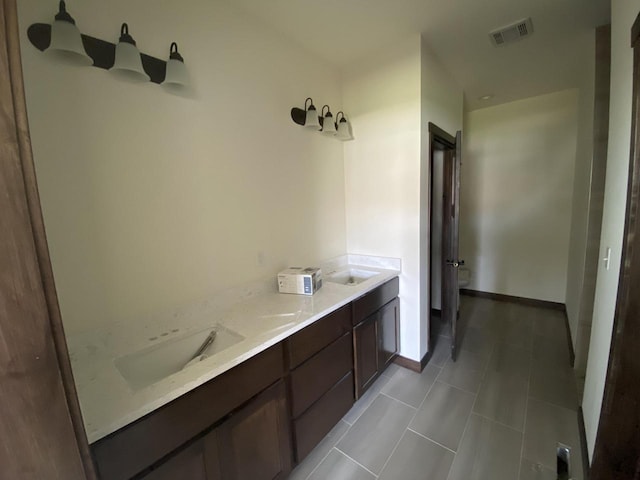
column 189, row 463
column 255, row 443
column 141, row 444
column 317, row 421
column 375, row 299
column 388, row 324
column 366, row 353
column 317, row 375
column 317, row 336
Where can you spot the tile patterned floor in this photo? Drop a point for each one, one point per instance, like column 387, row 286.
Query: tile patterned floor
column 495, row 414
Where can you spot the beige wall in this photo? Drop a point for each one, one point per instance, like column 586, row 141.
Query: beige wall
column 581, row 192
column 623, row 13
column 517, row 183
column 153, row 200
column 442, row 103
column 391, row 98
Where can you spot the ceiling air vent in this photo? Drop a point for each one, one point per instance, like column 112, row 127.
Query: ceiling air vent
column 511, row 33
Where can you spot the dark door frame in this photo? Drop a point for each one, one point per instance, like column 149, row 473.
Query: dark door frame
column 617, row 450
column 41, row 430
column 439, row 140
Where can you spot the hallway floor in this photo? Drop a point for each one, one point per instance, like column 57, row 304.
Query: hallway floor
column 498, row 413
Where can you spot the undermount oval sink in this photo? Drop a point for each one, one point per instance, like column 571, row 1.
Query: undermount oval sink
column 352, row 276
column 152, row 364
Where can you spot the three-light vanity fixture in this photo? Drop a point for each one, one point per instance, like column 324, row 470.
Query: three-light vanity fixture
column 308, row 117
column 63, row 40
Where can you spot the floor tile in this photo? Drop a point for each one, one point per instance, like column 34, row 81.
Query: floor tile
column 441, row 350
column 373, row 437
column 536, row 471
column 391, row 369
column 411, row 387
column 551, row 349
column 516, row 331
column 417, row 458
column 466, row 372
column 302, row 471
column 510, row 360
column 487, row 451
column 554, row 384
column 503, row 398
column 363, row 402
column 477, row 341
column 503, row 406
column 443, row 415
column 547, row 425
column 551, row 324
column 338, row 467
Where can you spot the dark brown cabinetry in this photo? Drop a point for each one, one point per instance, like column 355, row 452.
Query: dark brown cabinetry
column 200, row 461
column 376, row 317
column 256, row 420
column 388, row 333
column 366, row 353
column 134, row 448
column 321, row 378
column 255, row 444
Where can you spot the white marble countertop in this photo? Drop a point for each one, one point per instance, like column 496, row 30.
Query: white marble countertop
column 261, row 315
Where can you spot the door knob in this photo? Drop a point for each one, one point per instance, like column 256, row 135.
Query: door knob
column 455, row 263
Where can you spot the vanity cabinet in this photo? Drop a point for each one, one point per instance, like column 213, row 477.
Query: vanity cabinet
column 376, row 317
column 252, row 444
column 199, row 461
column 255, row 421
column 139, row 446
column 388, row 333
column 255, row 443
column 321, row 378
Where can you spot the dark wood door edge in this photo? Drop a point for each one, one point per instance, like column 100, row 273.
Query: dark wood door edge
column 635, row 30
column 442, row 135
column 499, row 297
column 586, row 467
column 414, row 365
column 572, row 353
column 27, row 200
column 617, row 447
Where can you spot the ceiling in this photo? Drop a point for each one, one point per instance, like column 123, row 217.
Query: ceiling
column 552, row 59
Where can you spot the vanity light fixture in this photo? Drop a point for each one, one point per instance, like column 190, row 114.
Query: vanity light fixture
column 66, row 40
column 328, row 125
column 308, row 117
column 177, row 74
column 128, row 62
column 344, row 128
column 311, row 115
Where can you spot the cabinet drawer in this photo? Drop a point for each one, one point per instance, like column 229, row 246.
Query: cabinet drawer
column 375, row 299
column 139, row 445
column 315, row 337
column 317, row 375
column 316, row 422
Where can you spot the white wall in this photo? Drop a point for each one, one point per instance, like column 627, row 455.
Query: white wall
column 384, row 189
column 581, row 191
column 153, row 200
column 442, row 104
column 382, row 170
column 516, row 194
column 623, row 13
